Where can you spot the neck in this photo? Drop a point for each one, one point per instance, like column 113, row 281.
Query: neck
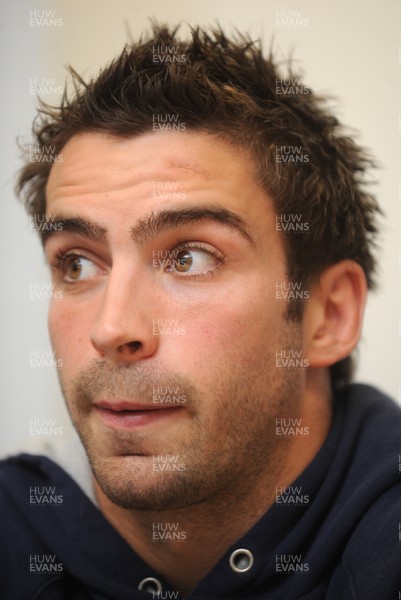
column 200, row 534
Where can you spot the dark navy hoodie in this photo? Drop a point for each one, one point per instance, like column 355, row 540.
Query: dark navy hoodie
column 334, row 534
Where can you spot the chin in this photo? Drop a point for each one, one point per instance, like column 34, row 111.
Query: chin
column 131, row 498
column 139, row 491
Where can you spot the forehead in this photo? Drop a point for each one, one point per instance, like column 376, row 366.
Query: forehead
column 120, row 183
column 96, row 162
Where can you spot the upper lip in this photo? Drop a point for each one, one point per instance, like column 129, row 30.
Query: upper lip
column 133, row 406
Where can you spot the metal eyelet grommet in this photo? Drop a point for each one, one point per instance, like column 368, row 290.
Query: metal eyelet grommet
column 241, row 560
column 150, row 585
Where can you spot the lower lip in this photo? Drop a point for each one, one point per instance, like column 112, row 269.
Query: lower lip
column 131, row 419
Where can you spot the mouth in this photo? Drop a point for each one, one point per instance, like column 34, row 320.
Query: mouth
column 129, row 415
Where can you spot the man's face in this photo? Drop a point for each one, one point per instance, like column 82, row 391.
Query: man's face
column 167, row 258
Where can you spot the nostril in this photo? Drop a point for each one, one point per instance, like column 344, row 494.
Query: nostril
column 132, row 346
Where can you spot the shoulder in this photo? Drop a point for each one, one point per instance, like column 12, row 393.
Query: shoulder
column 370, row 564
column 372, row 423
column 370, row 401
column 28, row 481
column 370, row 497
column 21, row 473
column 21, row 523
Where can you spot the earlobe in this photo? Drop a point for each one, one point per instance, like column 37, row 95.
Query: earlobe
column 334, row 315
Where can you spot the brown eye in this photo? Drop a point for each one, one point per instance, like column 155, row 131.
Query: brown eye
column 73, row 267
column 194, row 260
column 77, row 268
column 183, row 261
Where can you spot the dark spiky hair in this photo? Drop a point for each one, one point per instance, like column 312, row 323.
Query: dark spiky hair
column 227, row 87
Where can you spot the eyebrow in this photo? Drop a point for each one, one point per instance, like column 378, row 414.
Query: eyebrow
column 77, row 225
column 148, row 228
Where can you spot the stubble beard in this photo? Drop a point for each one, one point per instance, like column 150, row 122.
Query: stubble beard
column 245, row 408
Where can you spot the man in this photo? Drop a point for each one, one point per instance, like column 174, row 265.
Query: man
column 209, row 233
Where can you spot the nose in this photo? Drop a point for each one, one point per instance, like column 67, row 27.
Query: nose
column 123, row 328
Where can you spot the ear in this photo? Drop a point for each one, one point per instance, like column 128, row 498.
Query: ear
column 333, row 316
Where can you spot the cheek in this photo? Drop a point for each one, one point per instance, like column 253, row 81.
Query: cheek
column 68, row 328
column 240, row 327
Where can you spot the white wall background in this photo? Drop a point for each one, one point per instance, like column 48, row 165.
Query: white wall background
column 350, row 48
